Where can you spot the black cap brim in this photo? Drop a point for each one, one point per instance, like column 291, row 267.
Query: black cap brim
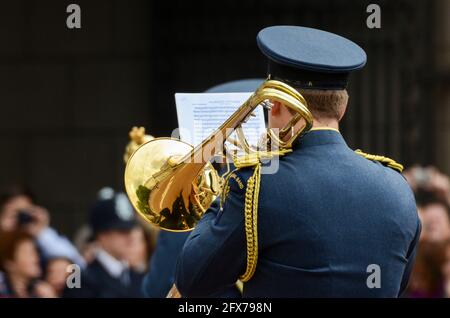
column 117, row 226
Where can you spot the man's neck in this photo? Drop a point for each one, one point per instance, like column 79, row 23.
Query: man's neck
column 322, row 124
column 328, row 124
column 331, row 124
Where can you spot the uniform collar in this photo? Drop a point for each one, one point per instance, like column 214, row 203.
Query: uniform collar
column 320, row 136
column 113, row 266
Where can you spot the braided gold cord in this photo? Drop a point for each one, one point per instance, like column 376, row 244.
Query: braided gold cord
column 251, row 223
column 384, row 160
column 251, row 204
column 255, row 219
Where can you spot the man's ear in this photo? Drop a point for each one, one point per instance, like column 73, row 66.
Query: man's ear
column 276, row 108
column 342, row 113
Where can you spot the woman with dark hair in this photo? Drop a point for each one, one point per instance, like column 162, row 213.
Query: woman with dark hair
column 19, row 263
column 427, row 280
column 18, row 212
column 15, row 202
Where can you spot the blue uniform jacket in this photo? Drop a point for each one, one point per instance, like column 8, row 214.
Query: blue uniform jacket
column 326, row 219
column 161, row 275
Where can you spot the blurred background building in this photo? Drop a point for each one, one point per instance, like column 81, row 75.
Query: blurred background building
column 69, row 97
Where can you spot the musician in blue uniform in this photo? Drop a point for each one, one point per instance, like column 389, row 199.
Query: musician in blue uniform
column 161, row 275
column 331, row 222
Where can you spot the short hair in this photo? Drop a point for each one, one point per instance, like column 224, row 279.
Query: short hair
column 9, row 241
column 325, row 103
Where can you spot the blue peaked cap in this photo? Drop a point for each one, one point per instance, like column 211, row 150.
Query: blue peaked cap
column 310, row 58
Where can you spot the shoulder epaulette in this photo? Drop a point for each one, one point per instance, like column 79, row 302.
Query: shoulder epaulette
column 383, row 160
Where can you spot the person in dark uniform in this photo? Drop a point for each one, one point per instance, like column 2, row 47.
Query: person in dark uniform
column 109, row 275
column 331, row 222
column 161, row 276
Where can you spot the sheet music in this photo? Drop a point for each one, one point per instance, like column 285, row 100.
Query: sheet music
column 199, row 114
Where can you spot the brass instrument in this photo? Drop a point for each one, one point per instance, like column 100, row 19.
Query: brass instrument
column 171, row 184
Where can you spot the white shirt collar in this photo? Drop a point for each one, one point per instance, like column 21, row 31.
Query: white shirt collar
column 112, row 265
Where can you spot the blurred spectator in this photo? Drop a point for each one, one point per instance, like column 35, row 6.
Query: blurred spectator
column 85, row 243
column 426, row 278
column 445, row 268
column 19, row 263
column 19, row 212
column 434, row 213
column 431, row 273
column 139, row 253
column 56, row 274
column 109, row 275
column 429, row 179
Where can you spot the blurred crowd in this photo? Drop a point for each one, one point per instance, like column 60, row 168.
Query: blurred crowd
column 431, row 273
column 112, row 251
column 108, row 257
